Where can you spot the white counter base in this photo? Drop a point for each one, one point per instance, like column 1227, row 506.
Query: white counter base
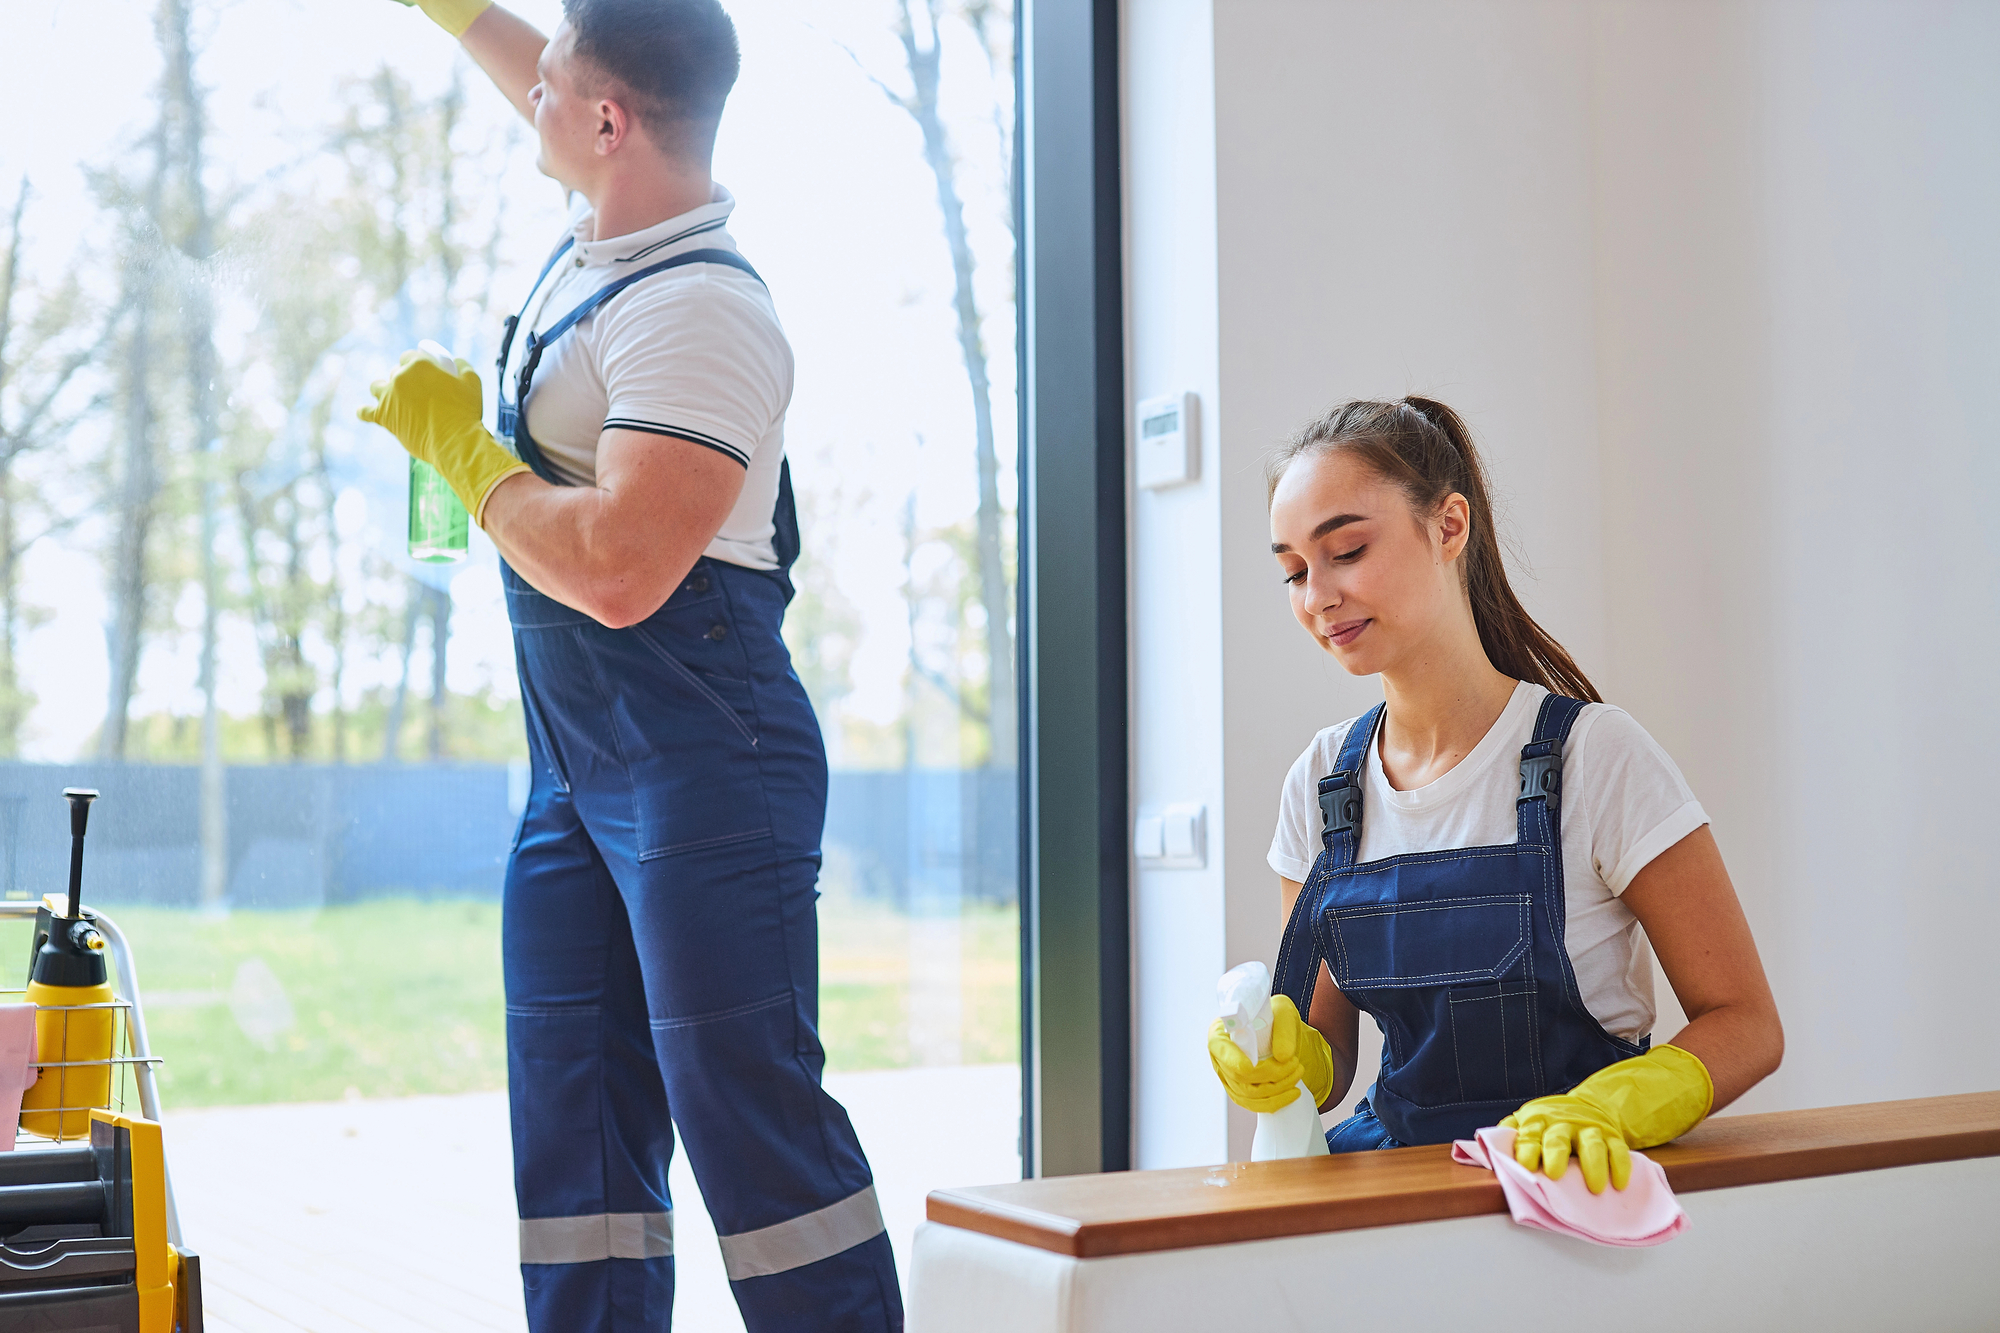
column 1909, row 1248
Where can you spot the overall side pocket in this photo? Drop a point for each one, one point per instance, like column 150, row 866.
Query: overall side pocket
column 1493, row 1041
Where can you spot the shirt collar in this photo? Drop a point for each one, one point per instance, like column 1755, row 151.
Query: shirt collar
column 659, row 240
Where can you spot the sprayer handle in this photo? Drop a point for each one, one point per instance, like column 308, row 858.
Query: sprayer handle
column 79, row 799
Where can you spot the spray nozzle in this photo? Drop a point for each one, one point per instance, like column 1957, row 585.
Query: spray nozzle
column 1244, row 998
column 79, row 799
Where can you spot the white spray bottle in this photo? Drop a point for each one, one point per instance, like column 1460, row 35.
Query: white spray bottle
column 1244, row 994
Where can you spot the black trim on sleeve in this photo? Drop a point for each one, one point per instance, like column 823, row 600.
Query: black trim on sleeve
column 679, row 433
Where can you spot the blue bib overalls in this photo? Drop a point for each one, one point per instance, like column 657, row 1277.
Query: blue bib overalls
column 660, row 941
column 1458, row 956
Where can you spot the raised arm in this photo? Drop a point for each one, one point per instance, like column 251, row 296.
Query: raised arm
column 507, row 47
column 500, row 42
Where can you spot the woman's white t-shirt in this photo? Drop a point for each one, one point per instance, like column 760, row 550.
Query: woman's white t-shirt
column 1623, row 803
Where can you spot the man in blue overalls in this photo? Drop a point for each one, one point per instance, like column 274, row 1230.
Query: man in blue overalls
column 660, row 935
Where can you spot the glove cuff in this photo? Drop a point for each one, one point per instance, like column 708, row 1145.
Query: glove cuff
column 479, row 507
column 1316, row 1059
column 1697, row 1088
column 454, row 16
column 1652, row 1098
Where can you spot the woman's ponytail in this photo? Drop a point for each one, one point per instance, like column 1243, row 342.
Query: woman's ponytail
column 1423, row 447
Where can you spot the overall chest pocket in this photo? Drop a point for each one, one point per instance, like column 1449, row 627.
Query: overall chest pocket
column 1438, row 942
column 1451, row 980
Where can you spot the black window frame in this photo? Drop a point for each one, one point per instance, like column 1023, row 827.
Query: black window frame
column 1076, row 1074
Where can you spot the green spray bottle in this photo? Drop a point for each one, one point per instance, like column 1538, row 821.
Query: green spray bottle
column 439, row 526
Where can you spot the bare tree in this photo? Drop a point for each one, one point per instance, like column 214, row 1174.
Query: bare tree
column 281, row 481
column 406, row 211
column 822, row 626
column 922, row 48
column 43, row 347
column 138, row 481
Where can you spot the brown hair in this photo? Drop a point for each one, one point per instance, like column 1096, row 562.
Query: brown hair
column 1421, row 446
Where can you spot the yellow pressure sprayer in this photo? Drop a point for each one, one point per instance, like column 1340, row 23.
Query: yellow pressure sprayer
column 75, row 1030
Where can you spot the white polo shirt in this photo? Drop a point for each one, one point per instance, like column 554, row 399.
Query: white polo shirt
column 696, row 353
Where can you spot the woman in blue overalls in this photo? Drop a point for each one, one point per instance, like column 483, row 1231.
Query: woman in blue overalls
column 1480, row 862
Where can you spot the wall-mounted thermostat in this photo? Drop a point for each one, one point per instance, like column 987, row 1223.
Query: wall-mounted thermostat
column 1169, row 443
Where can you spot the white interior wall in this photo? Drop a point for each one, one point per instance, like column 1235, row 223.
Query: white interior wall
column 1176, row 585
column 1715, row 286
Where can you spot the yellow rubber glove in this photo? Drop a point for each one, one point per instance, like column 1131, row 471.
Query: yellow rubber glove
column 1637, row 1103
column 454, row 16
column 1298, row 1052
column 435, row 414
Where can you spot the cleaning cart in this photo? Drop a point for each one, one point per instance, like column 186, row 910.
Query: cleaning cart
column 89, row 1237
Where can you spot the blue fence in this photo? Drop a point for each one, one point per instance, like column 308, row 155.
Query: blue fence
column 312, row 834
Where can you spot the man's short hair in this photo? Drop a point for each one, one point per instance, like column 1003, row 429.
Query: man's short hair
column 673, row 61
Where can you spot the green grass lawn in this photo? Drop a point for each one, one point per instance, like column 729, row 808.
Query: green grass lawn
column 398, row 997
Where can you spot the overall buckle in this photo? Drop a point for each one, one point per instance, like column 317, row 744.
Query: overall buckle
column 1340, row 802
column 1541, row 774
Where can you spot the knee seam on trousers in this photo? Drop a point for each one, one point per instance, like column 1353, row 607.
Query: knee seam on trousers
column 695, row 1020
column 551, row 1010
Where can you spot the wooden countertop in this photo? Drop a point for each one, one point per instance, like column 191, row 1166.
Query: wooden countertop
column 1134, row 1212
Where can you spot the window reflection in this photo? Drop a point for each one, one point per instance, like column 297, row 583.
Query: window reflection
column 310, row 746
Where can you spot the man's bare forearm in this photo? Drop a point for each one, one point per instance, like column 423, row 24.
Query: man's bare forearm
column 507, row 47
column 615, row 551
column 568, row 544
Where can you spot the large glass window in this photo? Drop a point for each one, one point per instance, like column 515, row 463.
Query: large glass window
column 310, row 747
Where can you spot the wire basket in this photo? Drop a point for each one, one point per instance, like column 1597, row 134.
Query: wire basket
column 128, row 1075
column 82, row 1086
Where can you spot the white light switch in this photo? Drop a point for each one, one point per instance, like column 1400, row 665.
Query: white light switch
column 1176, row 838
column 1149, row 838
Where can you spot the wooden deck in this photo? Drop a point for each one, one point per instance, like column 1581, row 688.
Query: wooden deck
column 398, row 1216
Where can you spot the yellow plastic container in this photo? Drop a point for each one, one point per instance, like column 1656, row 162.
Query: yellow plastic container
column 63, row 1038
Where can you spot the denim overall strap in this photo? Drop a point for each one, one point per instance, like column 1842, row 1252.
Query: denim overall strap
column 514, row 321
column 1300, row 953
column 1459, row 955
column 513, row 417
column 1538, row 811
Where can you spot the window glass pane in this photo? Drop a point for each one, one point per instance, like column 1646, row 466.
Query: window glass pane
column 311, row 747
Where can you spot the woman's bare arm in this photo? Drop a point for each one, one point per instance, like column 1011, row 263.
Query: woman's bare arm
column 1689, row 908
column 1337, row 1020
column 507, row 47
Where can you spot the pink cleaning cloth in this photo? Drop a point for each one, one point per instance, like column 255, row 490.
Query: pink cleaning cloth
column 1645, row 1212
column 17, row 1066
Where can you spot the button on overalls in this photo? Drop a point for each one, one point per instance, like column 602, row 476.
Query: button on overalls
column 1458, row 956
column 661, row 949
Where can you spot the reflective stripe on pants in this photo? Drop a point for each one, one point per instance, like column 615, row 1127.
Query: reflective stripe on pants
column 661, row 945
column 803, row 1240
column 586, row 1240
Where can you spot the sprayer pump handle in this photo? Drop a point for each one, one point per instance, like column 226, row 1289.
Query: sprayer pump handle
column 79, row 799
